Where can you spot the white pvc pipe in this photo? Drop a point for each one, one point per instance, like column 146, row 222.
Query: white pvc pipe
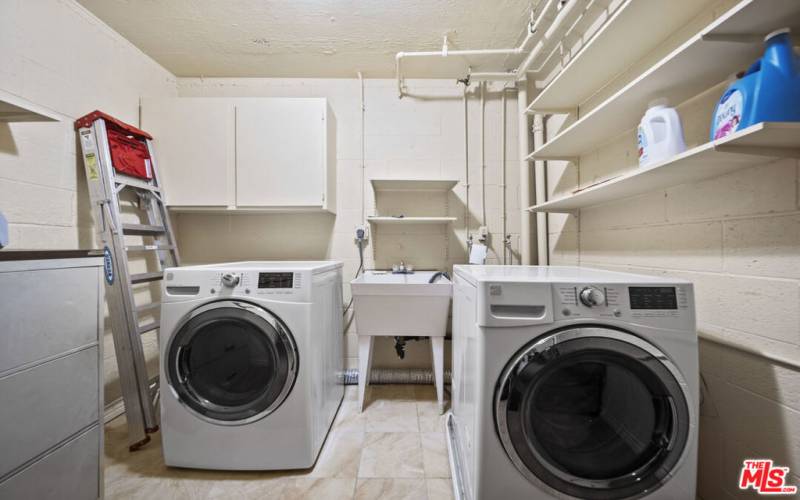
column 545, row 15
column 504, row 212
column 524, row 175
column 451, row 53
column 492, row 77
column 541, row 193
column 466, row 169
column 483, row 153
column 445, row 52
column 363, row 153
column 549, row 35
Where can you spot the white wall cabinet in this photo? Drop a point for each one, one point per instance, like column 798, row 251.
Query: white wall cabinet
column 248, row 154
column 195, row 149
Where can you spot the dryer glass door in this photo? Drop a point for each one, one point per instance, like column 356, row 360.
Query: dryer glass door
column 594, row 413
column 232, row 362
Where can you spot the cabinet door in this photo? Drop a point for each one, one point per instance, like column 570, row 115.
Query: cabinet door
column 194, row 142
column 280, row 153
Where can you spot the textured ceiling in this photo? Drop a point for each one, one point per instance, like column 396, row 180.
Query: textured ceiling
column 314, row 38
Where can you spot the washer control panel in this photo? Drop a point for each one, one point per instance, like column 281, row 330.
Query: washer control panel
column 277, row 284
column 631, row 302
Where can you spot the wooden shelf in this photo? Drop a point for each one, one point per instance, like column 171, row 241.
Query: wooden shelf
column 634, row 30
column 17, row 109
column 413, row 184
column 752, row 146
column 729, row 44
column 410, row 220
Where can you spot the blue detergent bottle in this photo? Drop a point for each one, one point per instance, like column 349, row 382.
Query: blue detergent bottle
column 768, row 91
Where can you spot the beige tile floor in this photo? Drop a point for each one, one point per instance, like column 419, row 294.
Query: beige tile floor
column 394, row 450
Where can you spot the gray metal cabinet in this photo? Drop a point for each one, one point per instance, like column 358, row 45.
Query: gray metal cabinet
column 51, row 404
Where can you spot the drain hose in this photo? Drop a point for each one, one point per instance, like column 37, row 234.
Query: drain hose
column 417, row 376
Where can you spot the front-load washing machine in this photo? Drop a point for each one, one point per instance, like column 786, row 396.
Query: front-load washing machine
column 572, row 383
column 251, row 363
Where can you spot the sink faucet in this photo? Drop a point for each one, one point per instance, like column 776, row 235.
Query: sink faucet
column 402, row 268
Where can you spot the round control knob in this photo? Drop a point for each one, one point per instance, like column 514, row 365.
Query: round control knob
column 591, row 297
column 230, row 280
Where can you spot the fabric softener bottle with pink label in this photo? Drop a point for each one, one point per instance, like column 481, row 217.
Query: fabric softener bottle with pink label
column 768, row 91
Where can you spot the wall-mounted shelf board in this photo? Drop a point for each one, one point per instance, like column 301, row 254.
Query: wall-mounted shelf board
column 410, row 220
column 695, row 66
column 16, row 109
column 752, row 146
column 413, row 184
column 633, row 30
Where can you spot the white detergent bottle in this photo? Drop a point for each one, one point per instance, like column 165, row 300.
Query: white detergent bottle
column 660, row 134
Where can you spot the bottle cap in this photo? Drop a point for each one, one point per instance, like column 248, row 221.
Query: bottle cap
column 658, row 103
column 777, row 32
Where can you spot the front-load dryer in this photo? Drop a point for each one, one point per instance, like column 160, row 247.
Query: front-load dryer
column 251, row 363
column 572, row 383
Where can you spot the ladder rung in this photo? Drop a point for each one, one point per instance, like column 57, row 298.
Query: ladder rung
column 137, row 185
column 149, row 327
column 148, row 307
column 142, row 229
column 148, row 248
column 145, row 277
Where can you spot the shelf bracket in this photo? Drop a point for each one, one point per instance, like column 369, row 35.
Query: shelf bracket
column 737, row 38
column 760, row 151
column 543, row 209
column 575, row 160
column 553, row 111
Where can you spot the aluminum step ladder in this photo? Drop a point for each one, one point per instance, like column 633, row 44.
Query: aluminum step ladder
column 112, row 191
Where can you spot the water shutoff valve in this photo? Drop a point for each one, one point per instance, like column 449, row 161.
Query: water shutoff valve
column 362, row 233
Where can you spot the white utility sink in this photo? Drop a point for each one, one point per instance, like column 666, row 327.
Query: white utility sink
column 405, row 305
column 401, row 304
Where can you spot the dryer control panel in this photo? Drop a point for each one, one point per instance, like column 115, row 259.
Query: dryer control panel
column 641, row 303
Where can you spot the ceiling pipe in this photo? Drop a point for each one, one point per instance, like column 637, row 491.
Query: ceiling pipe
column 442, row 53
column 579, row 27
column 533, row 29
column 547, row 14
column 568, row 12
column 559, row 23
column 493, row 77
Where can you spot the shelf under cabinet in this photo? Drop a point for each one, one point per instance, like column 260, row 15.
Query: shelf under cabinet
column 752, row 146
column 413, row 184
column 16, row 109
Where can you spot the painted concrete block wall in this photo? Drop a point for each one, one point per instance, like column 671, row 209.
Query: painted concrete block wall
column 737, row 237
column 410, row 138
column 56, row 54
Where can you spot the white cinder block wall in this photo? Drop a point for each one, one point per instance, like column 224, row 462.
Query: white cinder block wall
column 403, row 138
column 56, row 54
column 737, row 237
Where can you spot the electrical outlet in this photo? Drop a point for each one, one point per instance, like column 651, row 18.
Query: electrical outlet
column 362, row 232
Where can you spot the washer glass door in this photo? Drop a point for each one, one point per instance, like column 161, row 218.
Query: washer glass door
column 232, row 362
column 593, row 412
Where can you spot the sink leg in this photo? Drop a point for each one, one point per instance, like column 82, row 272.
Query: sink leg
column 437, row 347
column 364, row 363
